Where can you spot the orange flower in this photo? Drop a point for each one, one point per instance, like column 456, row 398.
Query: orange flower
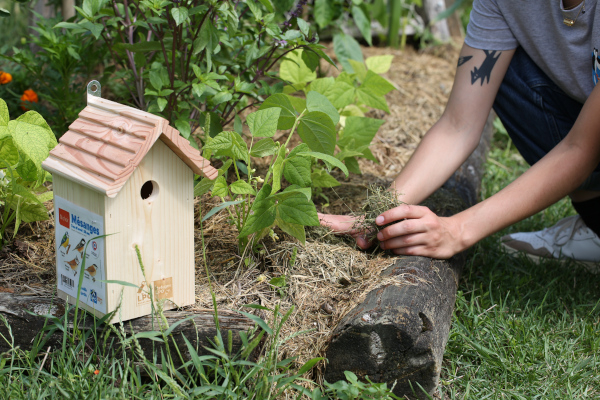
column 5, row 78
column 29, row 96
column 96, row 372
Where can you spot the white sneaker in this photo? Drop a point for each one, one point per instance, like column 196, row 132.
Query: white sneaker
column 569, row 238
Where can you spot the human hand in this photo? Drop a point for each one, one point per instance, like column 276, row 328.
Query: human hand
column 344, row 224
column 418, row 231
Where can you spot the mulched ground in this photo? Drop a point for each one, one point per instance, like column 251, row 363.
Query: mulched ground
column 324, row 279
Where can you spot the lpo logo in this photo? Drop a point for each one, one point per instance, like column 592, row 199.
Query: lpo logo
column 64, row 218
column 94, row 245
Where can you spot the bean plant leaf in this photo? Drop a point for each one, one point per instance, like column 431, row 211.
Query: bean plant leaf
column 242, row 187
column 297, row 170
column 363, row 23
column 318, row 102
column 294, row 230
column 370, row 98
column 297, row 209
column 263, row 123
column 204, row 186
column 230, row 144
column 330, row 159
column 346, row 47
column 316, row 129
column 288, row 113
column 293, row 69
column 379, row 64
column 377, row 84
column 321, row 178
column 278, row 169
column 32, row 211
column 352, row 165
column 360, row 129
column 263, row 148
column 359, row 69
column 220, row 187
column 263, row 213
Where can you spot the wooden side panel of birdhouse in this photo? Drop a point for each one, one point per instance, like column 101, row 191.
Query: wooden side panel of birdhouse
column 162, row 227
column 88, row 199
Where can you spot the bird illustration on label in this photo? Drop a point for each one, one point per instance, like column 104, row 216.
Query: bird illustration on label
column 73, row 264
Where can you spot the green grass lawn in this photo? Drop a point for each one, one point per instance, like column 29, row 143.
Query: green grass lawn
column 523, row 330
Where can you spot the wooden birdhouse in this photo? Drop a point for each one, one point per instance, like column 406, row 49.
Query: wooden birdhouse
column 126, row 174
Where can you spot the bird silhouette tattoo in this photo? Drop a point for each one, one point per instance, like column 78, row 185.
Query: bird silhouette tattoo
column 485, row 70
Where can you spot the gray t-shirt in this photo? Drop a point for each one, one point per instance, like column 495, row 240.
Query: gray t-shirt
column 568, row 55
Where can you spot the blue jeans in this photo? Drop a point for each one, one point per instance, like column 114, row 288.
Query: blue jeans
column 536, row 113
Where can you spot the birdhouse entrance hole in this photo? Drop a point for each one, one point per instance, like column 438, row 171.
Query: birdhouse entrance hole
column 149, row 190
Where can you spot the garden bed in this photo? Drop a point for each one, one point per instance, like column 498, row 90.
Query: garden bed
column 324, row 279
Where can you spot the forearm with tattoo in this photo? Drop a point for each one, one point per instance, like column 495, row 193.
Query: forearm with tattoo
column 484, row 72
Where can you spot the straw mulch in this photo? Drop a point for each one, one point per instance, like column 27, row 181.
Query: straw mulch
column 327, row 278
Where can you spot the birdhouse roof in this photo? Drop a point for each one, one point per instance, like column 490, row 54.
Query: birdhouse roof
column 107, row 142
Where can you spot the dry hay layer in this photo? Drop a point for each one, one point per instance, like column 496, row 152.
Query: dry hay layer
column 326, row 279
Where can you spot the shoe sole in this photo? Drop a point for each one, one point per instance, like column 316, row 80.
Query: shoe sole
column 590, row 266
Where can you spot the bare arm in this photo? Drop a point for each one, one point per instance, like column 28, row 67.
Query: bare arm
column 454, row 137
column 559, row 173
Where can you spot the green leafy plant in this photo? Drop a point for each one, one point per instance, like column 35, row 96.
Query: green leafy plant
column 24, row 144
column 57, row 70
column 333, row 131
column 193, row 59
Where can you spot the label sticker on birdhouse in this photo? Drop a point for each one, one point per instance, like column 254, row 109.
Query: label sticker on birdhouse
column 163, row 288
column 77, row 235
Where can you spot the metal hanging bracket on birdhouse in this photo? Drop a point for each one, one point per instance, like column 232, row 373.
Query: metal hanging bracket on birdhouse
column 94, row 89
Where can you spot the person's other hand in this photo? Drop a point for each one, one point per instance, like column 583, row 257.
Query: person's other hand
column 417, row 231
column 343, row 224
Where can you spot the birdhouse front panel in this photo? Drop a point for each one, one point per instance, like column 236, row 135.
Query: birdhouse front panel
column 155, row 212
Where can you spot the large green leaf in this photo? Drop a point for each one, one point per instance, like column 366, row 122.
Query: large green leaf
column 346, row 48
column 363, row 23
column 288, row 112
column 32, row 211
column 297, row 209
column 326, row 157
column 204, row 186
column 320, row 178
column 179, row 14
column 33, row 137
column 230, row 144
column 242, row 187
column 377, row 84
column 220, row 187
column 370, row 98
column 263, row 213
column 317, row 102
column 317, row 130
column 263, row 148
column 293, row 69
column 379, row 64
column 295, row 230
column 4, row 116
column 297, row 170
column 324, row 12
column 278, row 169
column 263, row 123
column 361, row 129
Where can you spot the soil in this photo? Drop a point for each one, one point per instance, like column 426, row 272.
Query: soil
column 323, row 279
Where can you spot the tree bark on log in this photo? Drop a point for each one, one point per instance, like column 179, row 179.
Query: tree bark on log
column 199, row 330
column 399, row 333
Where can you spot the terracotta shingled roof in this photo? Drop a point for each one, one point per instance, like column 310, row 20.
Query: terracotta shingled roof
column 107, row 142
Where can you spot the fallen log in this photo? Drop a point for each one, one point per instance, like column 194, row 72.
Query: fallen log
column 399, row 332
column 25, row 317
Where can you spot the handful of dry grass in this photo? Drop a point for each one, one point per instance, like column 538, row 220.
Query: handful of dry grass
column 378, row 200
